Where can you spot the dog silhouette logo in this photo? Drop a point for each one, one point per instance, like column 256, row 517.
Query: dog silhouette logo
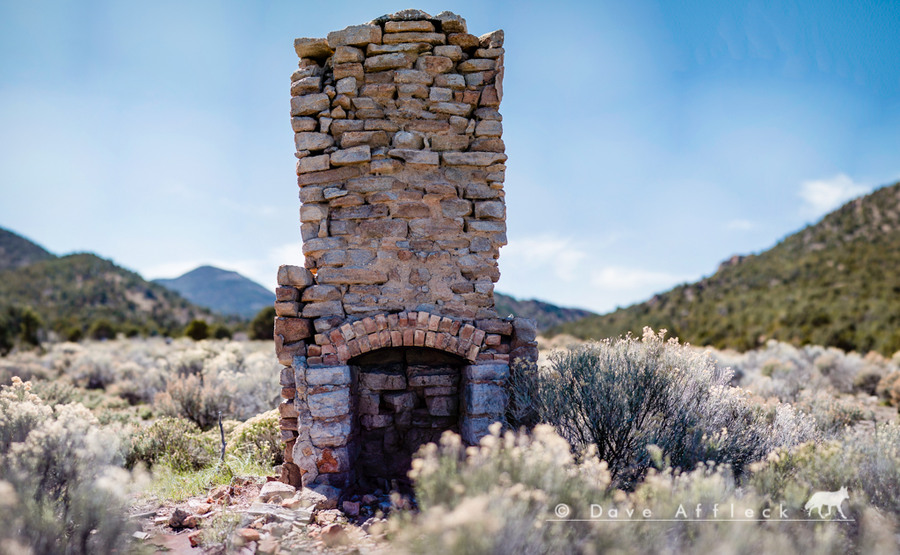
column 829, row 499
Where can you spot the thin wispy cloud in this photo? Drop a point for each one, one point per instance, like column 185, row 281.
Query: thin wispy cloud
column 557, row 255
column 618, row 278
column 740, row 225
column 574, row 272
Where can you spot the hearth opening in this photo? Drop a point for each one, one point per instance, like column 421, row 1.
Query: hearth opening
column 405, row 397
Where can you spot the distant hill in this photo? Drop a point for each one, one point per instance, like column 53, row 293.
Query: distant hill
column 71, row 292
column 17, row 251
column 547, row 315
column 835, row 283
column 221, row 291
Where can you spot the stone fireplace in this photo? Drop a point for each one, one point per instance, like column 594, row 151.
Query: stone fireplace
column 389, row 334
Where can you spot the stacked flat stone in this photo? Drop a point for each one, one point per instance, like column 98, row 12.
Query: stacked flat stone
column 400, row 168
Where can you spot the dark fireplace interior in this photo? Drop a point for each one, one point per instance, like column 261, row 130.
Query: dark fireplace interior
column 405, row 397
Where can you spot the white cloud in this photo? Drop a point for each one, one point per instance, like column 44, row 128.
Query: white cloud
column 567, row 272
column 824, row 195
column 558, row 255
column 617, row 278
column 740, row 225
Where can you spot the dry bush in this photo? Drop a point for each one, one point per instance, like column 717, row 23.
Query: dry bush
column 174, row 441
column 783, row 371
column 502, row 497
column 62, row 488
column 866, row 462
column 259, row 438
column 626, row 394
column 889, row 388
column 220, row 377
column 832, row 413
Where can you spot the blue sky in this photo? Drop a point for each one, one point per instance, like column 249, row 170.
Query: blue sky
column 647, row 141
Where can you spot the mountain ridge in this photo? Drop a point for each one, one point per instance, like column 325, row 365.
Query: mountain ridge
column 545, row 314
column 16, row 251
column 70, row 295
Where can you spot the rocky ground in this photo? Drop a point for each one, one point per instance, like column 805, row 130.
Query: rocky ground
column 267, row 517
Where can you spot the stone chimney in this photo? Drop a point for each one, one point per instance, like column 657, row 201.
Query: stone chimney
column 389, row 335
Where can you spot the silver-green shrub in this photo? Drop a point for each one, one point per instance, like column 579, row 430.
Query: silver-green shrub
column 505, row 495
column 623, row 395
column 63, row 490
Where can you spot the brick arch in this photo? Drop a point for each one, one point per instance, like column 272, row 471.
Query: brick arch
column 404, row 329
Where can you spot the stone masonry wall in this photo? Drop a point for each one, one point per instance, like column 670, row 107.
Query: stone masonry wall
column 400, row 168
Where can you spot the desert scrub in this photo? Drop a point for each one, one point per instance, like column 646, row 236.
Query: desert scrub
column 888, row 388
column 63, row 490
column 623, row 395
column 832, row 413
column 504, row 496
column 866, row 462
column 176, row 442
column 219, row 376
column 231, row 376
column 259, row 437
column 496, row 496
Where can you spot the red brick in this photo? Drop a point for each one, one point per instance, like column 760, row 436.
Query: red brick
column 354, row 347
column 478, row 337
column 434, row 322
column 375, row 341
column 330, row 360
column 440, row 340
column 364, row 345
column 422, row 320
column 381, row 322
column 336, row 335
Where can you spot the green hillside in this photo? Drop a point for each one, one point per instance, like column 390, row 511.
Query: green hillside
column 70, row 294
column 222, row 291
column 17, row 251
column 545, row 314
column 836, row 283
